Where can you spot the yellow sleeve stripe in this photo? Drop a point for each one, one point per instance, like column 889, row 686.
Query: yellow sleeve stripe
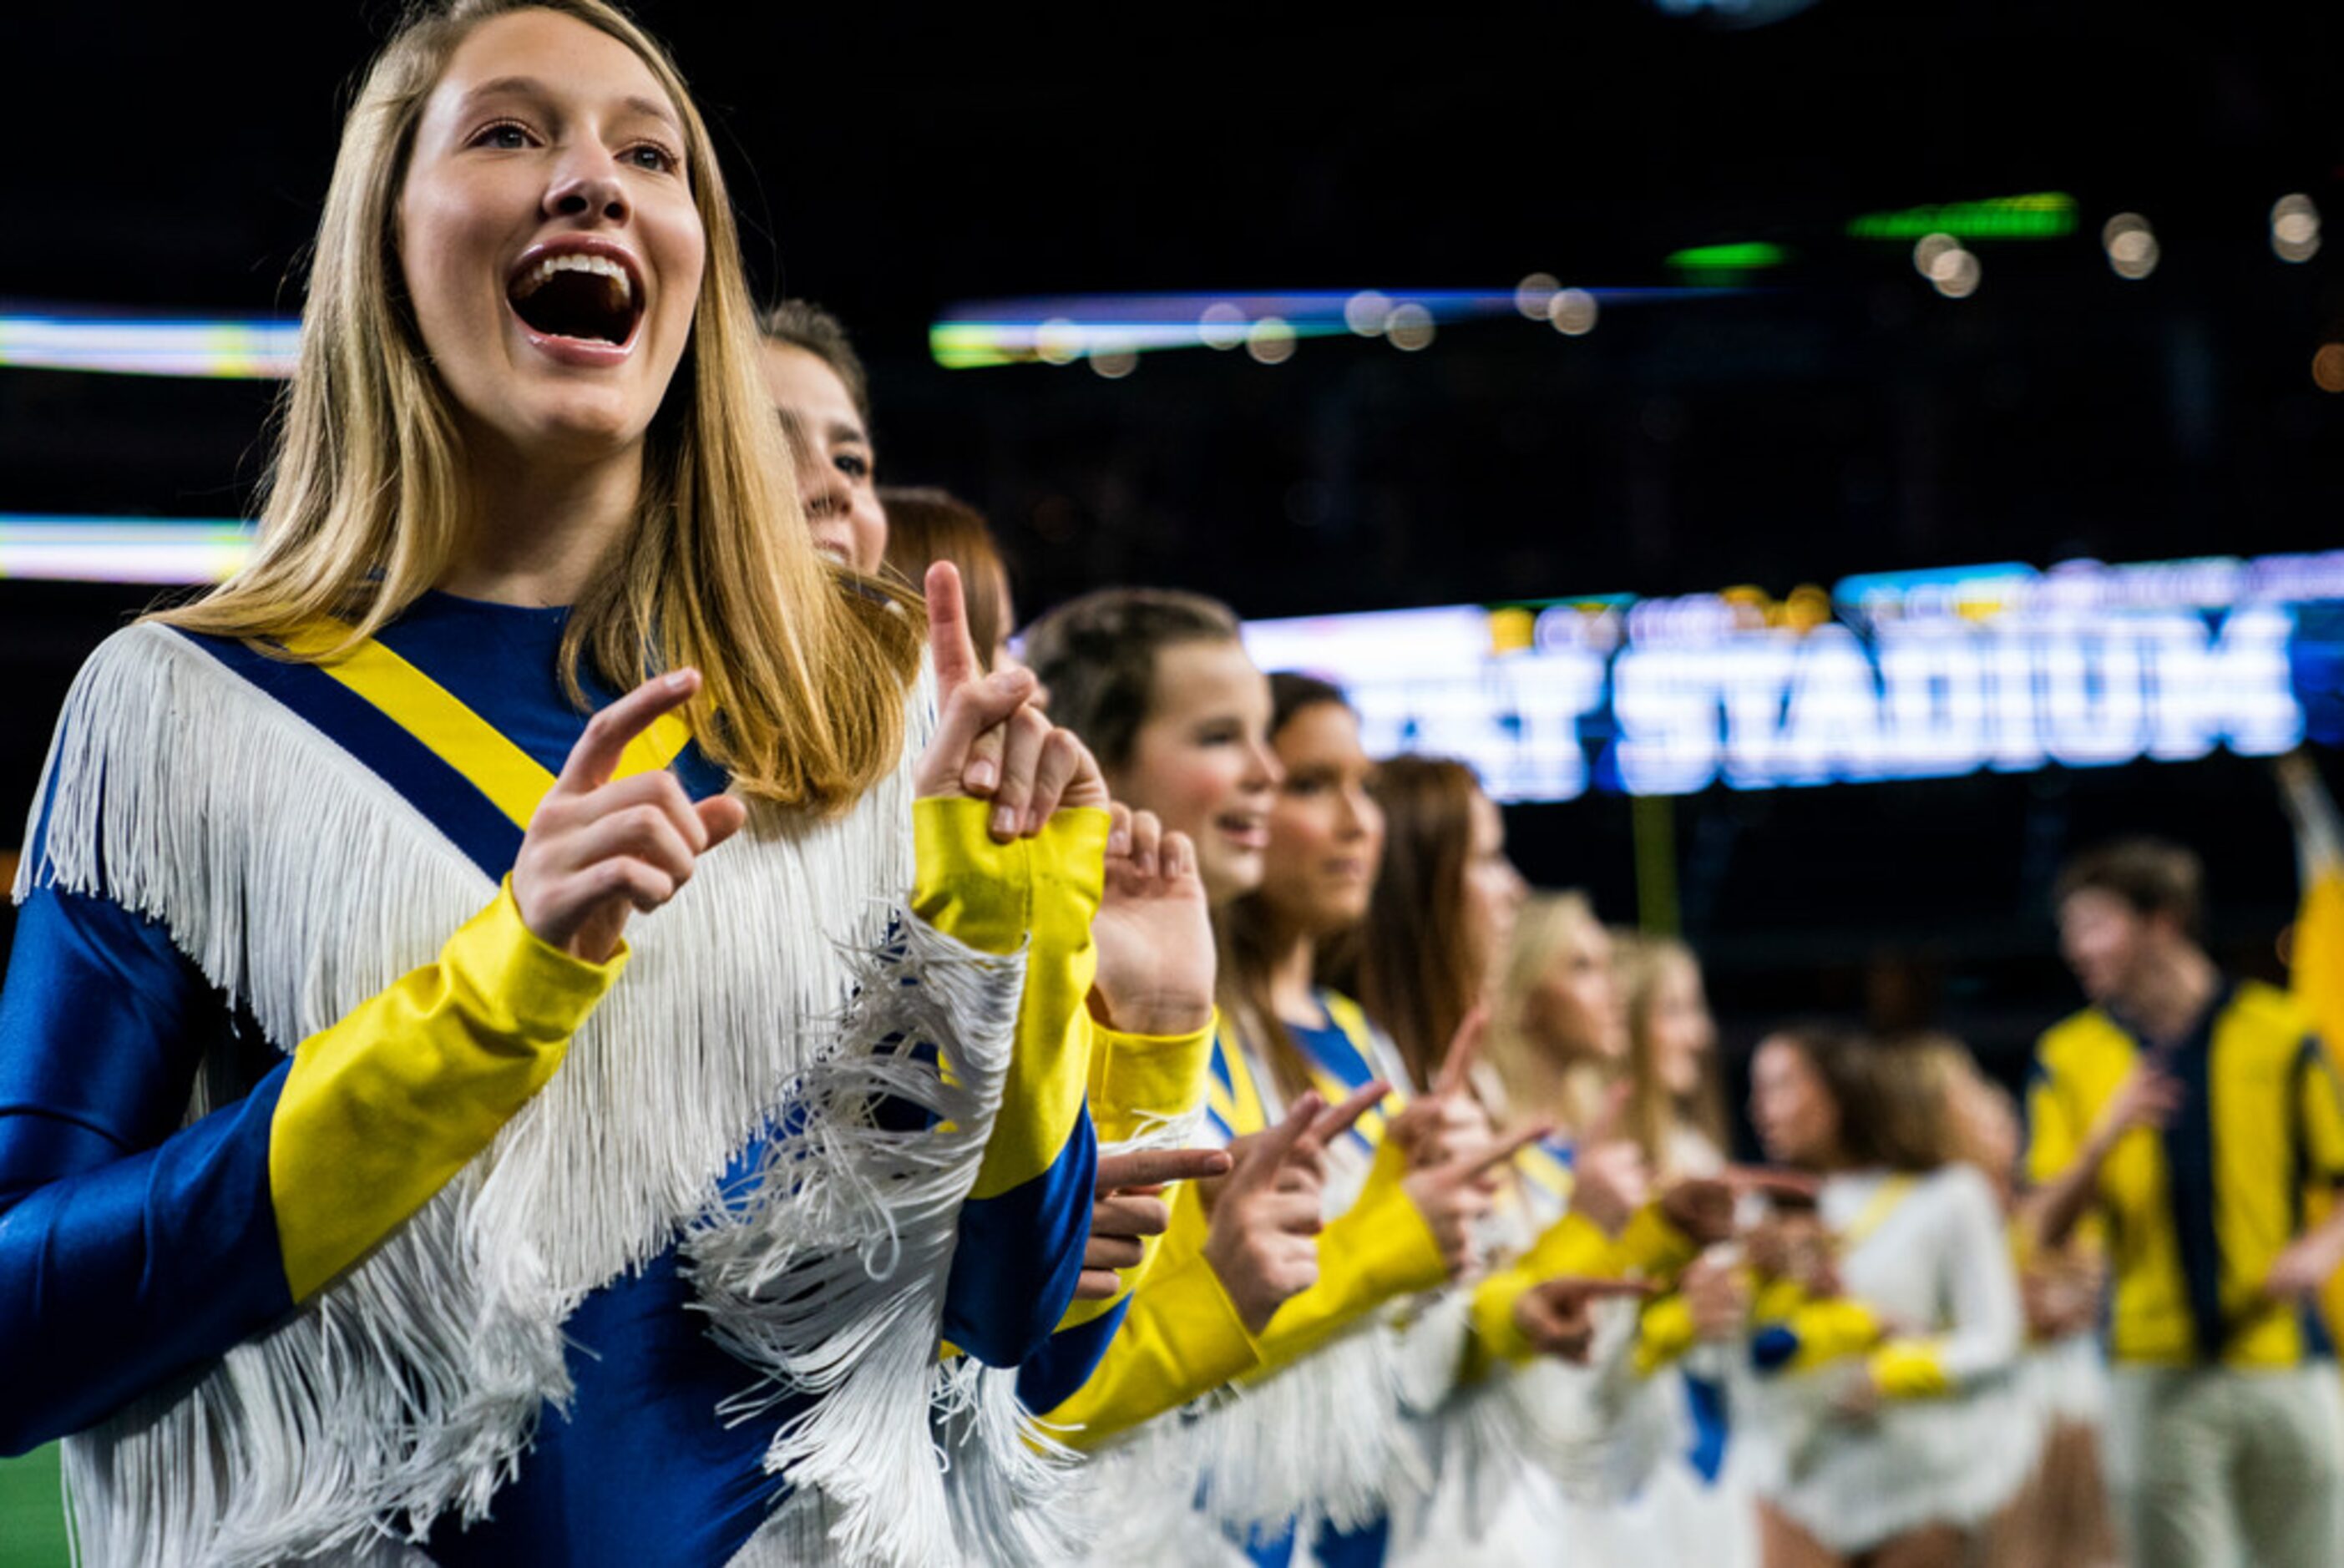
column 513, row 781
column 1245, row 1112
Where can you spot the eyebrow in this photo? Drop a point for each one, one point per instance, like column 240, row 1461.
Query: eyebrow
column 531, row 87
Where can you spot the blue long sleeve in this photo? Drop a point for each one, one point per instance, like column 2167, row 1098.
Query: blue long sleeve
column 1020, row 1256
column 132, row 1249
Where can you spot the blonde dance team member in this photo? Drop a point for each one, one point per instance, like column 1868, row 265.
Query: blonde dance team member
column 1893, row 1456
column 508, row 1044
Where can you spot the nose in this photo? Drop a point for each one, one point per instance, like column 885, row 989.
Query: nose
column 823, row 490
column 587, row 183
column 1266, row 773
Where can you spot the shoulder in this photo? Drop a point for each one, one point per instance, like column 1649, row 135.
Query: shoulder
column 2267, row 1009
column 2075, row 1041
column 1962, row 1188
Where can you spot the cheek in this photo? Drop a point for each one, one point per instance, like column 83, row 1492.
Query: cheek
column 1190, row 791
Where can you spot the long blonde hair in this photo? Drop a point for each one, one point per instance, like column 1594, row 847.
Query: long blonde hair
column 1643, row 964
column 1523, row 1066
column 802, row 699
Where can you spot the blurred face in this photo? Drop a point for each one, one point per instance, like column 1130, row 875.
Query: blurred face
column 1796, row 1119
column 1987, row 1130
column 1494, row 890
column 547, row 238
column 2106, row 941
column 836, row 466
column 1576, row 1010
column 1678, row 1028
column 1325, row 832
column 1202, row 761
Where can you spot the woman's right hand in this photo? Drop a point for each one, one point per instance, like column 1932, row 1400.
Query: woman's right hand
column 597, row 852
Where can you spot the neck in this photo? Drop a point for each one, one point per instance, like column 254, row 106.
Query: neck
column 1293, row 995
column 1567, row 1090
column 536, row 530
column 2173, row 996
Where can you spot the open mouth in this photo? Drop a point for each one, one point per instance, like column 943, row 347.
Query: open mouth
column 578, row 294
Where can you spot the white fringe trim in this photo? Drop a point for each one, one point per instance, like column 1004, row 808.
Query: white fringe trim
column 828, row 1274
column 409, row 1388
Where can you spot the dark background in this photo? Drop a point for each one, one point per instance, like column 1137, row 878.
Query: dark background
column 1838, row 416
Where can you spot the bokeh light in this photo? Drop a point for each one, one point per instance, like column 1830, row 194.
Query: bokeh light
column 1533, row 295
column 2328, row 368
column 1409, row 327
column 1955, row 273
column 1221, row 325
column 2131, row 245
column 1115, row 364
column 1927, row 249
column 1058, row 340
column 1270, row 341
column 2295, row 227
column 1573, row 312
column 1367, row 311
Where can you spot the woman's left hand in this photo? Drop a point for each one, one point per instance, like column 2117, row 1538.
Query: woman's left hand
column 992, row 742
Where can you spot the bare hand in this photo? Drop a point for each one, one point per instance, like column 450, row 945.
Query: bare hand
column 1128, row 1205
column 1858, row 1399
column 1703, row 1207
column 1558, row 1316
column 2149, row 1097
column 1718, row 1298
column 2302, row 1270
column 597, row 852
column 1609, row 1181
column 1446, row 1120
column 1453, row 1195
column 1154, row 937
column 991, row 741
column 1262, row 1240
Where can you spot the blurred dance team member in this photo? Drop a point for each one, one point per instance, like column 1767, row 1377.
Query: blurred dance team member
column 2183, row 1108
column 525, row 1214
column 1890, row 1432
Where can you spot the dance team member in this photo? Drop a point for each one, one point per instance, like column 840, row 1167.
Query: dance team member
column 436, row 1182
column 1159, row 682
column 820, row 387
column 1893, row 1456
column 2183, row 1110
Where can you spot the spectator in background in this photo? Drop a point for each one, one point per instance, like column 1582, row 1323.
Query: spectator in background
column 1676, row 1111
column 2183, row 1109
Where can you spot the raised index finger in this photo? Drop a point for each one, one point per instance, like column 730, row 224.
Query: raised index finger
column 595, row 758
column 954, row 652
column 1506, row 1147
column 1463, row 1047
column 1154, row 1167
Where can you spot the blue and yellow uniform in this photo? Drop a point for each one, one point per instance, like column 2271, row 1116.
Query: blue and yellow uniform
column 2193, row 1217
column 148, row 1249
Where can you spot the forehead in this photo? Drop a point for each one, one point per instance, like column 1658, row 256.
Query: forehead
column 2094, row 906
column 1197, row 675
column 1325, row 732
column 804, row 386
column 547, row 54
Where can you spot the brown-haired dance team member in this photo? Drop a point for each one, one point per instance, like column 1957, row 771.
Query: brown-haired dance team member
column 533, row 1197
column 1890, row 1457
column 2184, row 1109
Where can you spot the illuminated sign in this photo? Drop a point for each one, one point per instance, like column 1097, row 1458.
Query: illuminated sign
column 1893, row 676
column 2045, row 214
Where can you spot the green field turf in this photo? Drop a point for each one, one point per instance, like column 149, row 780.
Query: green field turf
column 32, row 1516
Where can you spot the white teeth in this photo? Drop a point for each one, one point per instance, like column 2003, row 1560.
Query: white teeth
column 575, row 261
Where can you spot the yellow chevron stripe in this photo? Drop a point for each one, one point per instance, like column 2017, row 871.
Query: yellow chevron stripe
column 513, row 781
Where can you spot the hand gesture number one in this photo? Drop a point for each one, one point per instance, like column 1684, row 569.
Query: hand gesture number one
column 597, row 852
column 991, row 743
